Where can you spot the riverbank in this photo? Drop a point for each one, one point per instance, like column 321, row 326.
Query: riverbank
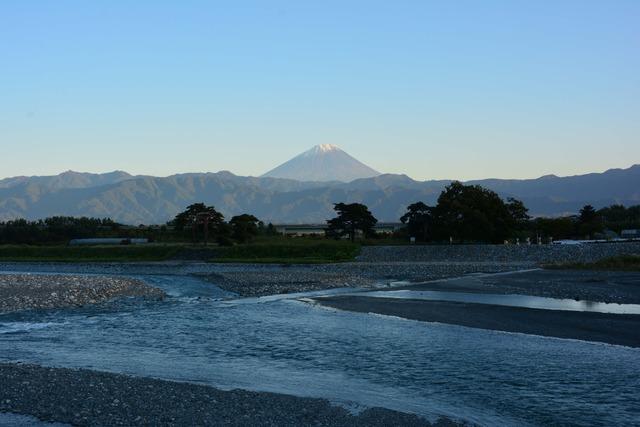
column 256, row 280
column 41, row 291
column 377, row 266
column 602, row 286
column 266, row 279
column 595, row 286
column 90, row 398
column 534, row 254
column 620, row 329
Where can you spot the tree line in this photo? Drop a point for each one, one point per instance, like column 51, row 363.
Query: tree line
column 462, row 213
column 57, row 229
column 471, row 213
column 202, row 223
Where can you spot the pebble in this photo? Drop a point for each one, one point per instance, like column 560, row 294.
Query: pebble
column 42, row 291
column 155, row 406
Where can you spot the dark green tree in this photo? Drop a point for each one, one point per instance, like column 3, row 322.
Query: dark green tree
column 588, row 214
column 518, row 212
column 202, row 219
column 352, row 217
column 472, row 213
column 185, row 218
column 271, row 230
column 589, row 222
column 419, row 219
column 556, row 228
column 618, row 217
column 244, row 227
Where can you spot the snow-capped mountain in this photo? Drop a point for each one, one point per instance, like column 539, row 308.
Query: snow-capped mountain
column 324, row 162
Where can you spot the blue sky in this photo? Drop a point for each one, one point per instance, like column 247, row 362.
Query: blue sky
column 450, row 89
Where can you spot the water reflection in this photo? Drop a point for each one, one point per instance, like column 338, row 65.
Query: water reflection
column 525, row 301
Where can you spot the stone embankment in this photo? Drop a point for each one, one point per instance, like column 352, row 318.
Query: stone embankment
column 47, row 291
column 534, row 254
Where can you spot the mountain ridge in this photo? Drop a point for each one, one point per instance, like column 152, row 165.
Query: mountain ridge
column 146, row 199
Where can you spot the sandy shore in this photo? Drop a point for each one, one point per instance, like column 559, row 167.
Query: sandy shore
column 27, row 291
column 90, row 398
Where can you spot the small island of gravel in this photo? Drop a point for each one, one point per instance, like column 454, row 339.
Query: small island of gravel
column 49, row 291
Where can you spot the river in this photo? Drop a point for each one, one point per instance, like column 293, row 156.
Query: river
column 204, row 335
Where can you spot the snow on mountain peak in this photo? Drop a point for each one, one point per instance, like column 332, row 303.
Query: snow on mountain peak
column 326, row 147
column 324, row 162
column 321, row 149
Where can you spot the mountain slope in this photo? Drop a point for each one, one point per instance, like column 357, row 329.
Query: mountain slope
column 324, row 162
column 69, row 179
column 151, row 200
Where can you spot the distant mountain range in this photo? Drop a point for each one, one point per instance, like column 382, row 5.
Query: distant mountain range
column 153, row 200
column 323, row 162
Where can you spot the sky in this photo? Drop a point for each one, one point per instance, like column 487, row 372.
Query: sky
column 460, row 89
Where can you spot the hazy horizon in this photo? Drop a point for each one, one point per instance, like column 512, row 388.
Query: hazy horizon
column 106, row 171
column 427, row 89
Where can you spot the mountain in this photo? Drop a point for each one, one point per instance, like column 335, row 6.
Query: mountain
column 324, row 163
column 152, row 200
column 68, row 179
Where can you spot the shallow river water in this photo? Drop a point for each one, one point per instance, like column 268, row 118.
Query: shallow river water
column 284, row 345
column 523, row 301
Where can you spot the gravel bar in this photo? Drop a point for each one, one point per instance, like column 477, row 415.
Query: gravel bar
column 619, row 287
column 89, row 398
column 41, row 291
column 376, row 266
column 253, row 281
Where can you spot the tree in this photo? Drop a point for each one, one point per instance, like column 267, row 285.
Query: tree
column 351, row 218
column 588, row 214
column 244, row 227
column 200, row 218
column 472, row 213
column 518, row 212
column 589, row 221
column 618, row 217
column 556, row 228
column 419, row 219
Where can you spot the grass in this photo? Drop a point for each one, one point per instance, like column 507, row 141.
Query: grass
column 616, row 263
column 87, row 253
column 298, row 251
column 271, row 251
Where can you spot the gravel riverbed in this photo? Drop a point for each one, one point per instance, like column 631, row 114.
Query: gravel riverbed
column 257, row 280
column 90, row 398
column 42, row 291
column 376, row 266
column 84, row 397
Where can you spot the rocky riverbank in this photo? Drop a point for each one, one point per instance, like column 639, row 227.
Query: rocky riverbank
column 260, row 280
column 90, row 398
column 376, row 266
column 44, row 291
column 577, row 285
column 535, row 254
